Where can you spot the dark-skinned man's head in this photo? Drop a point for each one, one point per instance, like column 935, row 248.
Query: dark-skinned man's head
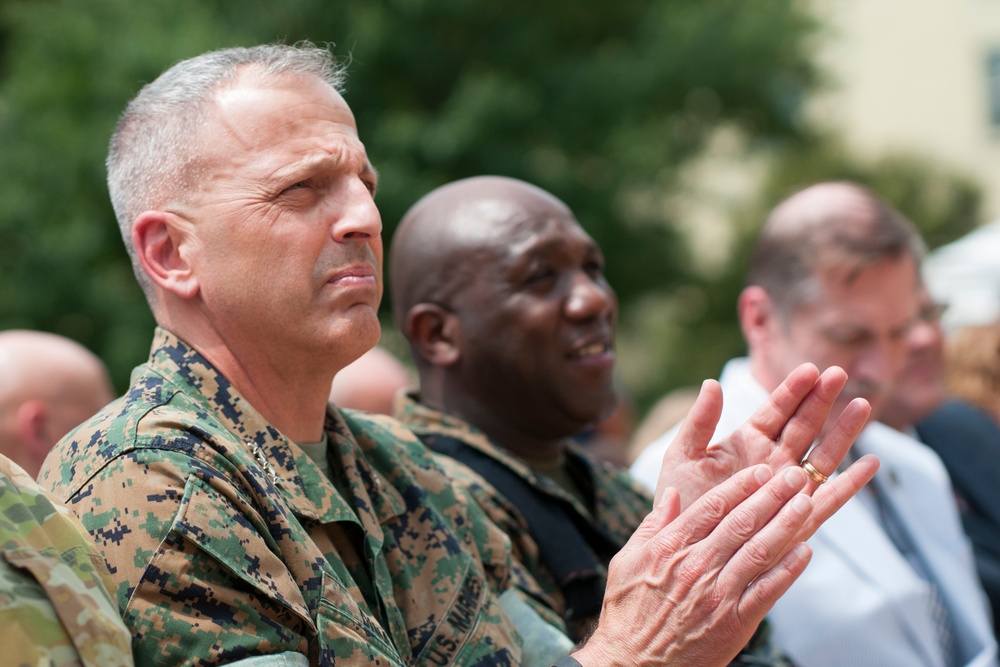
column 502, row 296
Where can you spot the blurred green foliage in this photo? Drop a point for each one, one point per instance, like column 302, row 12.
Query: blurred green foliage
column 601, row 103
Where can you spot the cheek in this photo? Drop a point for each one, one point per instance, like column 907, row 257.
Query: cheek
column 847, row 359
column 796, row 350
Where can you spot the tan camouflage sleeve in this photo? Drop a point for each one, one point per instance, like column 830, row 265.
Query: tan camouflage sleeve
column 55, row 608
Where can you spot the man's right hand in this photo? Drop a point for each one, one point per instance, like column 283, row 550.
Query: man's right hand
column 691, row 589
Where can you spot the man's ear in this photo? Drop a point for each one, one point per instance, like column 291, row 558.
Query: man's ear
column 757, row 314
column 31, row 424
column 434, row 333
column 161, row 243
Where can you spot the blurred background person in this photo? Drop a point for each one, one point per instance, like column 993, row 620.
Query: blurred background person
column 972, row 366
column 48, row 385
column 370, row 382
column 834, row 279
column 966, row 437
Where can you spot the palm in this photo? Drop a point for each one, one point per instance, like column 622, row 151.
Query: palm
column 778, row 434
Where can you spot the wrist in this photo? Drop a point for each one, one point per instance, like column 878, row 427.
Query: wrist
column 591, row 654
column 567, row 661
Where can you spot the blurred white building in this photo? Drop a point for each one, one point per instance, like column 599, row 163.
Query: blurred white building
column 920, row 76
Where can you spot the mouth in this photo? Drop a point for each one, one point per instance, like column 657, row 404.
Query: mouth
column 593, row 349
column 357, row 274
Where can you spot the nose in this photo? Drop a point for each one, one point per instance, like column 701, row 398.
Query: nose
column 590, row 298
column 356, row 216
column 924, row 335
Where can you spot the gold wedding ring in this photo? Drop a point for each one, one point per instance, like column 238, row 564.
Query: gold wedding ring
column 814, row 472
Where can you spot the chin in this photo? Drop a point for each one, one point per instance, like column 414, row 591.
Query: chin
column 598, row 411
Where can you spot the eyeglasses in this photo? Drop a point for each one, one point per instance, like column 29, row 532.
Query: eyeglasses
column 932, row 311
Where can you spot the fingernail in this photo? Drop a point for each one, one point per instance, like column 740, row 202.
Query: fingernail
column 801, row 503
column 762, row 474
column 795, row 477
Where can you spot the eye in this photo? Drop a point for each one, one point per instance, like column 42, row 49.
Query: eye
column 848, row 338
column 298, row 186
column 898, row 335
column 594, row 267
column 539, row 274
column 370, row 184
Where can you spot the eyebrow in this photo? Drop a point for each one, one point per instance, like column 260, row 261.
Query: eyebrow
column 346, row 156
column 536, row 248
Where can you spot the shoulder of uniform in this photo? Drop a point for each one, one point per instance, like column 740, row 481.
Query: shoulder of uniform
column 153, row 415
column 381, row 437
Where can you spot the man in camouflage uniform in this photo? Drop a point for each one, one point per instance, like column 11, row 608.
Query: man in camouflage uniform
column 502, row 297
column 55, row 608
column 245, row 520
column 224, row 539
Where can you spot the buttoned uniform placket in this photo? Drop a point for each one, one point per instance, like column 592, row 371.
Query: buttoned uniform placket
column 314, row 499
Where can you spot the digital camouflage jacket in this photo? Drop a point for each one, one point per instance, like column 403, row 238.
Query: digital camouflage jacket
column 226, row 541
column 55, row 608
column 619, row 504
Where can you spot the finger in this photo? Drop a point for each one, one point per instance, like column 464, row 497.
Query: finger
column 806, row 424
column 771, row 417
column 699, row 425
column 706, row 514
column 765, row 590
column 659, row 518
column 764, row 527
column 693, row 435
column 827, row 455
column 831, row 496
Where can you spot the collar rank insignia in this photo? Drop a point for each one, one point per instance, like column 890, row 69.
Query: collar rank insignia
column 263, row 461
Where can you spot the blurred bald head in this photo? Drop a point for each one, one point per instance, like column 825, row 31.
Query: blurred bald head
column 839, row 228
column 48, row 385
column 370, row 382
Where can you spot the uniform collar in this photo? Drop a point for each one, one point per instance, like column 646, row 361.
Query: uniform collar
column 302, row 484
column 424, row 420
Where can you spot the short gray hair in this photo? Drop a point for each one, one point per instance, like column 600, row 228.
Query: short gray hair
column 836, row 225
column 151, row 157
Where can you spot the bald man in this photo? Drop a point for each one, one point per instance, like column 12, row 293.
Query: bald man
column 48, row 385
column 503, row 299
column 523, row 373
column 834, row 280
